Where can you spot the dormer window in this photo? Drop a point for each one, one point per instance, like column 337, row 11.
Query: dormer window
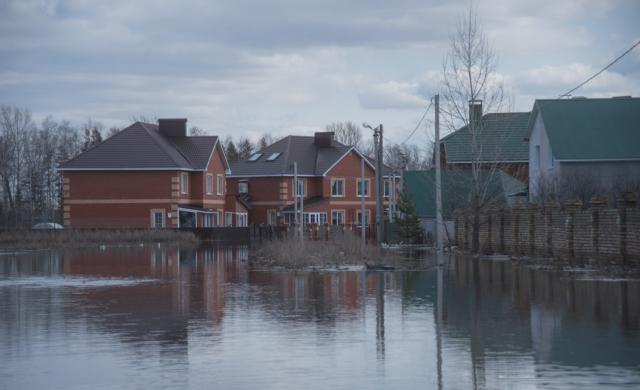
column 273, row 156
column 255, row 157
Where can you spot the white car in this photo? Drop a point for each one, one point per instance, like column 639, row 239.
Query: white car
column 47, row 226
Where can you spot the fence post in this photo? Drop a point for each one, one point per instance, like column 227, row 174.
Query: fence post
column 516, row 211
column 549, row 208
column 571, row 206
column 597, row 203
column 626, row 201
column 490, row 213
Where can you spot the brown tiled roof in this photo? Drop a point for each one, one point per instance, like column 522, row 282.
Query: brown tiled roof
column 141, row 146
column 312, row 160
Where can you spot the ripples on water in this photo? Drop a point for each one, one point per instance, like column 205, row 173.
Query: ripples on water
column 201, row 318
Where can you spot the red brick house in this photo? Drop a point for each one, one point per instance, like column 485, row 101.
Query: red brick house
column 328, row 177
column 150, row 176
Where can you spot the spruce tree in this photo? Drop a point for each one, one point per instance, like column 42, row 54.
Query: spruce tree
column 408, row 222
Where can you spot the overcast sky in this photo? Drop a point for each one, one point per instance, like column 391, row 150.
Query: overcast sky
column 243, row 67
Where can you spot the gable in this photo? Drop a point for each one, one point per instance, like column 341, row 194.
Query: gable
column 592, row 129
column 349, row 165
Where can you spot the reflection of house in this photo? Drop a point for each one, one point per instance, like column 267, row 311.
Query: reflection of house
column 499, row 189
column 584, row 142
column 328, row 180
column 501, row 142
column 150, row 176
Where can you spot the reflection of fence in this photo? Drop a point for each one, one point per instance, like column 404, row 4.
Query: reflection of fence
column 570, row 232
column 227, row 234
column 311, row 231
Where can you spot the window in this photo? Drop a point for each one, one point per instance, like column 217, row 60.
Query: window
column 387, row 188
column 209, row 184
column 243, row 187
column 228, row 219
column 255, row 157
column 184, row 184
column 301, row 186
column 207, row 220
column 361, row 186
column 367, row 214
column 271, row 217
column 537, row 157
column 243, row 219
column 337, row 217
column 158, row 218
column 219, row 184
column 315, row 218
column 337, row 187
column 273, row 156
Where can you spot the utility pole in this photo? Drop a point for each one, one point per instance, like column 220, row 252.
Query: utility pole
column 380, row 187
column 295, row 199
column 301, row 213
column 438, row 182
column 363, row 238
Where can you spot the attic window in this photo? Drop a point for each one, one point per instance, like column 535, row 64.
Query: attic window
column 255, row 157
column 273, row 156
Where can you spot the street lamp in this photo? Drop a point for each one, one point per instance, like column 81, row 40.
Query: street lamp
column 377, row 136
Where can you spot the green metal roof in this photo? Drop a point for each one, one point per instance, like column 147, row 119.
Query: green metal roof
column 456, row 193
column 501, row 138
column 591, row 129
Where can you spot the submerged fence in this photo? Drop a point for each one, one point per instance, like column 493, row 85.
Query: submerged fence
column 553, row 230
column 311, row 231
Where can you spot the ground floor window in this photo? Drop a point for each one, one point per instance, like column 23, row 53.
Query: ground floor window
column 243, row 219
column 337, row 217
column 271, row 217
column 315, row 218
column 367, row 217
column 207, row 220
column 228, row 219
column 157, row 218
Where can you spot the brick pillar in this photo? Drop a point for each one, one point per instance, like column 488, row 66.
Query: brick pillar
column 626, row 201
column 550, row 207
column 532, row 211
column 572, row 206
column 598, row 203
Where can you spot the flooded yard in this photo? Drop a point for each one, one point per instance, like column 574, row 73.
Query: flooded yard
column 183, row 317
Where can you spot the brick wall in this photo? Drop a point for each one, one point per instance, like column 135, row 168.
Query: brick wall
column 571, row 230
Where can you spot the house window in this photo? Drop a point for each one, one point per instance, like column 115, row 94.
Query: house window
column 228, row 219
column 209, row 184
column 337, row 217
column 255, row 157
column 271, row 217
column 157, row 218
column 218, row 218
column 337, row 187
column 300, row 187
column 219, row 184
column 315, row 218
column 184, row 183
column 387, row 188
column 207, row 220
column 537, row 156
column 367, row 215
column 362, row 186
column 243, row 187
column 243, row 219
column 273, row 156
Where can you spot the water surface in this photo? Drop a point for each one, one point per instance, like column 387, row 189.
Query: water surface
column 156, row 317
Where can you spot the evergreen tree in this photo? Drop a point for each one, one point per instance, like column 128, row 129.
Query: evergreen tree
column 230, row 150
column 408, row 222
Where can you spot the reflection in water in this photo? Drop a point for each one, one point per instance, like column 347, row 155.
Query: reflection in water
column 179, row 317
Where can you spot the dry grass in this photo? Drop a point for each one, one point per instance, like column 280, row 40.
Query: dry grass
column 39, row 239
column 340, row 250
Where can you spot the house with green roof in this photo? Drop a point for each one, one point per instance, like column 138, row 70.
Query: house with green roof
column 583, row 142
column 502, row 190
column 501, row 142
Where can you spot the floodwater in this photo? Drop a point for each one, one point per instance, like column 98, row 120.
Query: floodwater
column 154, row 317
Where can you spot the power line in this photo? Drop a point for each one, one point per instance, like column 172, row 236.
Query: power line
column 601, row 70
column 419, row 123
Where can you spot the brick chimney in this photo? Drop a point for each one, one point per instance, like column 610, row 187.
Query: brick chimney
column 323, row 139
column 174, row 127
column 475, row 111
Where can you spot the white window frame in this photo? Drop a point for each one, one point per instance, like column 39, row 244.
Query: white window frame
column 219, row 184
column 272, row 217
column 342, row 214
column 209, row 184
column 338, row 180
column 154, row 215
column 228, row 218
column 302, row 193
column 387, row 188
column 367, row 188
column 243, row 219
column 367, row 217
column 244, row 184
column 315, row 218
column 184, row 183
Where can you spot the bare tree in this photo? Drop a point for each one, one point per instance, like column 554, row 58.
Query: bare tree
column 266, row 140
column 469, row 77
column 347, row 132
column 405, row 156
column 196, row 131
